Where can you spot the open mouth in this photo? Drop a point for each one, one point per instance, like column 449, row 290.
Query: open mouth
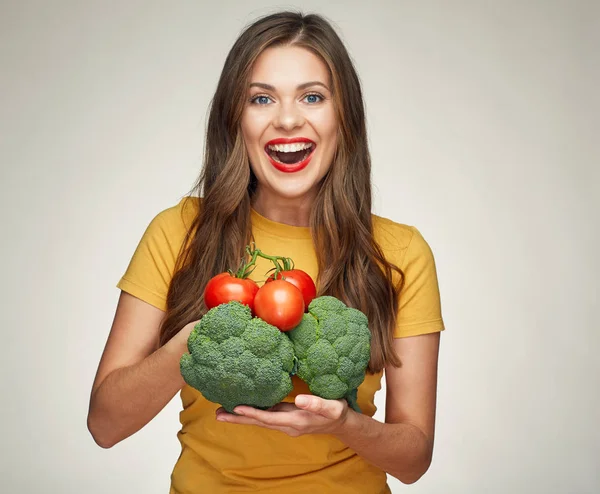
column 290, row 154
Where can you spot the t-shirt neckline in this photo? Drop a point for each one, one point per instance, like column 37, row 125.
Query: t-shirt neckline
column 279, row 229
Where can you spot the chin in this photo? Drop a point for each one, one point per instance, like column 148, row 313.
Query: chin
column 293, row 192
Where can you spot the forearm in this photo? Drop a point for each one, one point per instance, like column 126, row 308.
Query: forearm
column 130, row 397
column 401, row 450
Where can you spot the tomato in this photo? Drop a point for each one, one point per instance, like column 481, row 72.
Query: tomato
column 279, row 303
column 224, row 288
column 300, row 280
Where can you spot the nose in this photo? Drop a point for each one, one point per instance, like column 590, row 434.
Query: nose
column 288, row 117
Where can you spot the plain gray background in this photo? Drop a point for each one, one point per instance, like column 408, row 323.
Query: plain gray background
column 483, row 121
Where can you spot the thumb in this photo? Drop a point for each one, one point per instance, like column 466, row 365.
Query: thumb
column 331, row 409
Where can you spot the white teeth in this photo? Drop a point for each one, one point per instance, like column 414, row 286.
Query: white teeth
column 290, row 148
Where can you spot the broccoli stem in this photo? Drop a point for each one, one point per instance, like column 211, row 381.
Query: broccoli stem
column 352, row 399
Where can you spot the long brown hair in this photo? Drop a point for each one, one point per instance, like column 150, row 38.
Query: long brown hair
column 351, row 264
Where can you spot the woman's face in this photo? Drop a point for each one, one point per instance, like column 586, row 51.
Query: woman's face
column 289, row 124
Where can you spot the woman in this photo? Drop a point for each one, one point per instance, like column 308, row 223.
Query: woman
column 289, row 77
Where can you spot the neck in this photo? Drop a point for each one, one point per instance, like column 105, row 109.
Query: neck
column 294, row 212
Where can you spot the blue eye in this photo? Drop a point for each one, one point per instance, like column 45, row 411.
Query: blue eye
column 261, row 100
column 315, row 98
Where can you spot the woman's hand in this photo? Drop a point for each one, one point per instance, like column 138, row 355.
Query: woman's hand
column 181, row 337
column 309, row 415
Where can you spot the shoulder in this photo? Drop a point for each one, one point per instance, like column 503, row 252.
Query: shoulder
column 152, row 265
column 399, row 241
column 170, row 227
column 173, row 224
column 179, row 216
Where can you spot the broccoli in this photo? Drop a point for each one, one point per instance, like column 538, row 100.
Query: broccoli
column 333, row 347
column 236, row 359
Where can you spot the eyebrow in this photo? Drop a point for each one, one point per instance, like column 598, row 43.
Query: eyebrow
column 268, row 87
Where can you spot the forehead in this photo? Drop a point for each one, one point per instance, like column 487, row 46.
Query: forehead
column 284, row 66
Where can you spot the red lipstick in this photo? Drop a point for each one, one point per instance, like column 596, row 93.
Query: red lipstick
column 294, row 167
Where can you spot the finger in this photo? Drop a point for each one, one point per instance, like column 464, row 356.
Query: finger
column 272, row 418
column 241, row 420
column 241, row 409
column 283, row 407
column 233, row 418
column 251, row 411
column 222, row 412
column 331, row 409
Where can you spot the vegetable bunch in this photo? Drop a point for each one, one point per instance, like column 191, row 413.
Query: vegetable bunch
column 281, row 301
column 253, row 339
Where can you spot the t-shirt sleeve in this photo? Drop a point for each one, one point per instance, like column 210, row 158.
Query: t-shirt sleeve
column 150, row 270
column 420, row 308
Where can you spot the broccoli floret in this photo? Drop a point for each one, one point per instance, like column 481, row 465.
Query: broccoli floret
column 333, row 347
column 235, row 359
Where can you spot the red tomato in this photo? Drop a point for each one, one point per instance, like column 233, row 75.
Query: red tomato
column 300, row 280
column 224, row 288
column 279, row 303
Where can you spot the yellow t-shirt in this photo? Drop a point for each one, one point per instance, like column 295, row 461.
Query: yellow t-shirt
column 227, row 458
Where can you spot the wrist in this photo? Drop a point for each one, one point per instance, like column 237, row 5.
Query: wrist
column 174, row 349
column 178, row 344
column 357, row 427
column 347, row 426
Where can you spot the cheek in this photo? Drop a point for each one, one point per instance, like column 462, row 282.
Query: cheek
column 328, row 127
column 255, row 122
column 250, row 130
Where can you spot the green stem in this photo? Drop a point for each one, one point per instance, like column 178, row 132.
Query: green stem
column 244, row 270
column 281, row 263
